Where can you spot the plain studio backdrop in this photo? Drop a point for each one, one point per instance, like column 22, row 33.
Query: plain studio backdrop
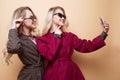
column 83, row 17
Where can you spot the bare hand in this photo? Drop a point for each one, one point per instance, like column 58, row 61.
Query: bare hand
column 58, row 31
column 16, row 23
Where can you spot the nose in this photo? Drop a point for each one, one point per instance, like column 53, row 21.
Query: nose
column 34, row 20
column 63, row 18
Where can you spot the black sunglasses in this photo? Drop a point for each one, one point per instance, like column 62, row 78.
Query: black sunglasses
column 60, row 15
column 31, row 17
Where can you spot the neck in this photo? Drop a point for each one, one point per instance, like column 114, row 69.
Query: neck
column 26, row 31
column 53, row 28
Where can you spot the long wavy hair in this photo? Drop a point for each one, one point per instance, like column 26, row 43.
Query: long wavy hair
column 48, row 20
column 19, row 12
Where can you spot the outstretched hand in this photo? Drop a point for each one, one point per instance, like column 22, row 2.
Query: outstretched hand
column 105, row 25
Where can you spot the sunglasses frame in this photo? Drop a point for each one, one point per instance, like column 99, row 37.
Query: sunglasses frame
column 31, row 17
column 60, row 15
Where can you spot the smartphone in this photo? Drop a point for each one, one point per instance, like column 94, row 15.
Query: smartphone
column 102, row 20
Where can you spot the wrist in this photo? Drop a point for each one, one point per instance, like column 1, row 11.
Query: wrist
column 104, row 35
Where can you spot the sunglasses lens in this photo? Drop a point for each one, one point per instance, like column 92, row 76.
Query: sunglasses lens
column 64, row 16
column 60, row 15
column 32, row 17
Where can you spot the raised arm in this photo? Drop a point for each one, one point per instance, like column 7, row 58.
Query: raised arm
column 88, row 45
column 14, row 44
column 83, row 45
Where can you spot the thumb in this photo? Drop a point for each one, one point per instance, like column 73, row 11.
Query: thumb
column 58, row 27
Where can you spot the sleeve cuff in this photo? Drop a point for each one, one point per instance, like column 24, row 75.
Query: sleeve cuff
column 104, row 35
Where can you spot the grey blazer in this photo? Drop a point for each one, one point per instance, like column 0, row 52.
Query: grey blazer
column 28, row 54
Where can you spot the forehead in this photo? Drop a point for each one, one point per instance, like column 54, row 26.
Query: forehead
column 58, row 11
column 28, row 13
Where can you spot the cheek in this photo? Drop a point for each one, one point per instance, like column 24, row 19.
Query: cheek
column 55, row 20
column 28, row 23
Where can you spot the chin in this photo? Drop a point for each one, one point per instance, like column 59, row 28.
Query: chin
column 62, row 24
column 33, row 26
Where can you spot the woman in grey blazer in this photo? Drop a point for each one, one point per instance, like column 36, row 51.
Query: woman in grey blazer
column 21, row 41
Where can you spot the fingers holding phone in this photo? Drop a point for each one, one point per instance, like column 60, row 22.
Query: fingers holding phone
column 104, row 24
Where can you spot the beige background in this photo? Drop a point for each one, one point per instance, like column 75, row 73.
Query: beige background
column 83, row 16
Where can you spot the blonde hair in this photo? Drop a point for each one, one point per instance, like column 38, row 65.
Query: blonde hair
column 19, row 12
column 48, row 21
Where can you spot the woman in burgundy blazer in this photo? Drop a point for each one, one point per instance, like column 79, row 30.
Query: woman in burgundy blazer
column 57, row 46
